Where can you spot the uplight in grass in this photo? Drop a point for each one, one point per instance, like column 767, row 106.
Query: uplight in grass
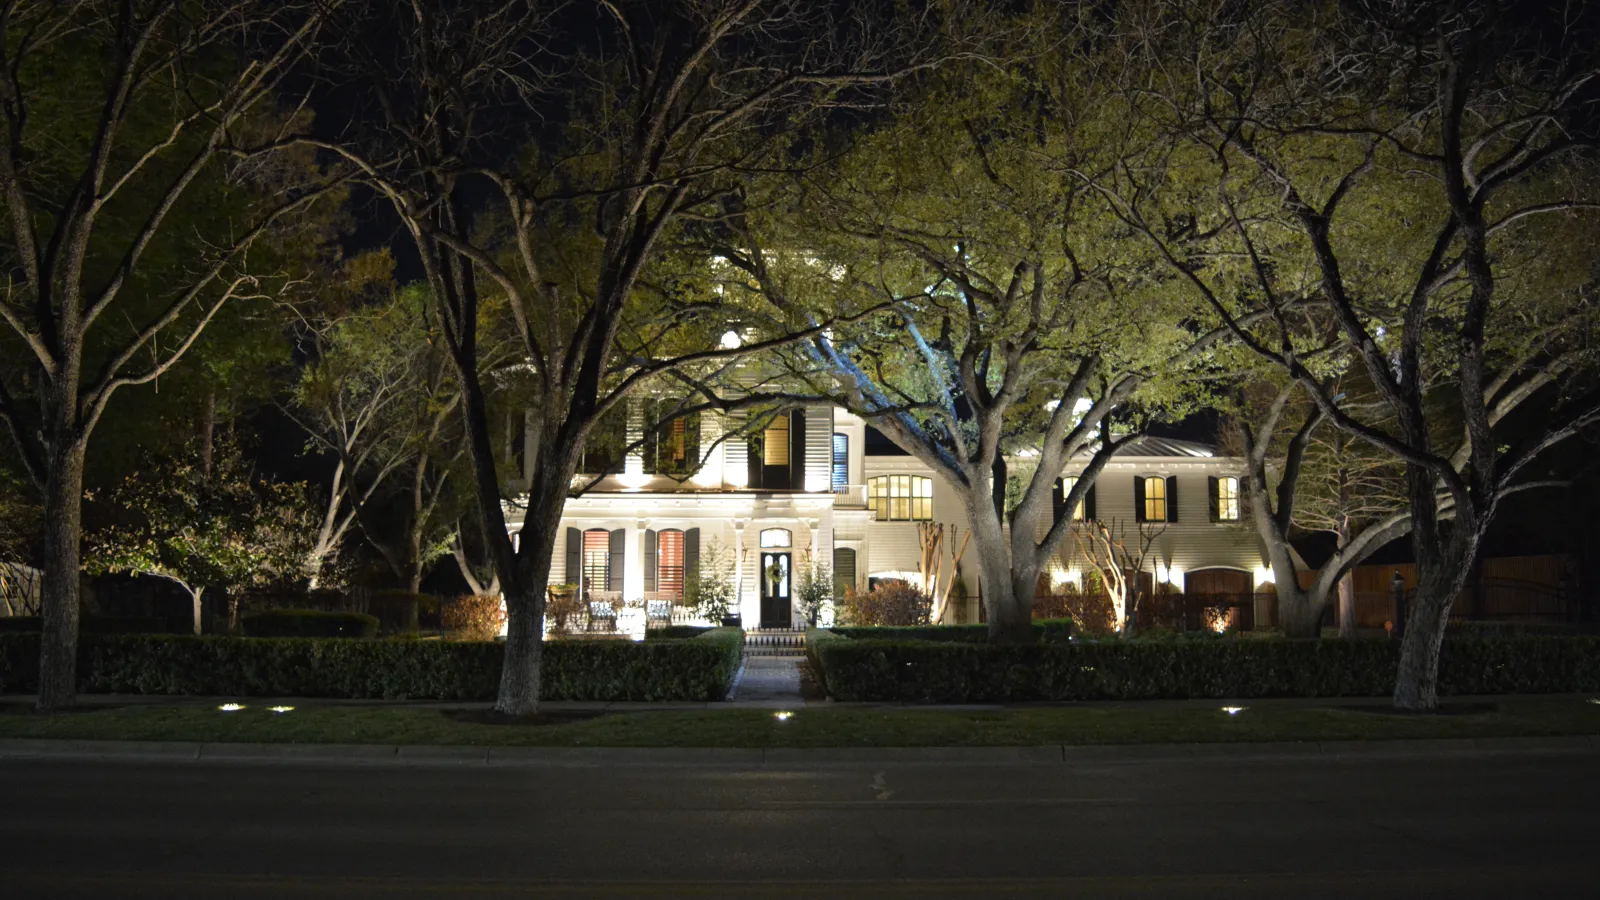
column 231, row 707
column 281, row 709
column 1234, row 710
column 783, row 715
column 1595, row 700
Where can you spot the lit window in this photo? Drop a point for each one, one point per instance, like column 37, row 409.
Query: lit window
column 775, row 537
column 1227, row 499
column 1067, row 484
column 596, row 559
column 841, row 463
column 901, row 497
column 669, row 563
column 1155, row 499
column 775, row 442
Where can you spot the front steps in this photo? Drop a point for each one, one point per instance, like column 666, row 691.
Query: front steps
column 788, row 642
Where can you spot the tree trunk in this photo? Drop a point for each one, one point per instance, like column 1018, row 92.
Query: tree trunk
column 1439, row 580
column 63, row 516
column 208, row 427
column 1299, row 613
column 194, row 599
column 524, row 592
column 1010, row 616
column 1347, row 605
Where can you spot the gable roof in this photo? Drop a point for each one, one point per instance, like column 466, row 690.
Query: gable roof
column 1164, row 446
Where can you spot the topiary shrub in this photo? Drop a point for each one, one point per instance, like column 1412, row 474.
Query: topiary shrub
column 285, row 623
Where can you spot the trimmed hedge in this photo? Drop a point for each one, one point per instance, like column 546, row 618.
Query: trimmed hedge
column 676, row 632
column 697, row 669
column 312, row 623
column 1045, row 630
column 948, row 672
column 92, row 625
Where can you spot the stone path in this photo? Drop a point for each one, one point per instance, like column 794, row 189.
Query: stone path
column 769, row 681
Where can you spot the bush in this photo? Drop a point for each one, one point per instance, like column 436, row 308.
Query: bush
column 958, row 672
column 698, row 669
column 1047, row 630
column 473, row 617
column 562, row 608
column 675, row 632
column 892, row 602
column 308, row 623
column 398, row 612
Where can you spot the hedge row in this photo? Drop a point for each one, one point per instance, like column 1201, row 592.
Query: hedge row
column 697, row 669
column 947, row 672
column 1046, row 630
column 92, row 625
column 280, row 623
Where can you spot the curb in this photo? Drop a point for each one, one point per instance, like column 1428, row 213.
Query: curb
column 776, row 757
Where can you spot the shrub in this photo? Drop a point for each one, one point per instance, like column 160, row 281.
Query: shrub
column 1090, row 611
column 960, row 672
column 697, row 669
column 675, row 632
column 1044, row 630
column 398, row 612
column 473, row 617
column 286, row 623
column 892, row 602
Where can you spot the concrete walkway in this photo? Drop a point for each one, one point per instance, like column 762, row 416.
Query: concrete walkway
column 768, row 681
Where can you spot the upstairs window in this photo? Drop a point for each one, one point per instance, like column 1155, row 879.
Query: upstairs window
column 1225, row 505
column 1067, row 484
column 672, row 448
column 900, row 498
column 775, row 442
column 840, row 473
column 1155, row 499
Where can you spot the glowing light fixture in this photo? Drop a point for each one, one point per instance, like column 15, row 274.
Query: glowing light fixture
column 730, row 340
column 231, row 707
column 783, row 715
column 1234, row 710
column 281, row 709
column 1265, row 575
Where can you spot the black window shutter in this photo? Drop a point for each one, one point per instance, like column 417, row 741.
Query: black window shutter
column 1088, row 502
column 753, row 462
column 797, row 450
column 618, row 560
column 1213, row 500
column 1172, row 498
column 652, row 580
column 574, row 556
column 691, row 554
column 691, row 441
column 1138, row 498
column 652, row 435
column 1058, row 498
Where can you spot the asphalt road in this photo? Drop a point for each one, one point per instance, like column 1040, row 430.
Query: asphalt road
column 1489, row 826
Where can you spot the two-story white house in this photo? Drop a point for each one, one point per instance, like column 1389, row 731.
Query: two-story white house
column 807, row 489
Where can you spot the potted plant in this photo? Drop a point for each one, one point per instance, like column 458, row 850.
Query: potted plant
column 710, row 591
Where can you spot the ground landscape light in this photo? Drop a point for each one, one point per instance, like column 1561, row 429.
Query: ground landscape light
column 231, row 707
column 281, row 709
column 1234, row 710
column 783, row 715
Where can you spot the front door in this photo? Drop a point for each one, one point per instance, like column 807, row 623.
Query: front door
column 775, row 608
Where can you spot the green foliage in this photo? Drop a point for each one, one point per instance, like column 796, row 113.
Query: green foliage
column 698, row 669
column 225, row 528
column 284, row 623
column 957, row 672
column 813, row 590
column 675, row 632
column 1047, row 631
column 710, row 592
column 94, row 625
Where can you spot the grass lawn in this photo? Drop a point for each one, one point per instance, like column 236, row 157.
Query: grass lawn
column 806, row 727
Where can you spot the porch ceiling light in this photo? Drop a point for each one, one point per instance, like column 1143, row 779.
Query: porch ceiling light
column 231, row 707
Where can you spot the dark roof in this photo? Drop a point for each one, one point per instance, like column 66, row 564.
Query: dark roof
column 1165, row 446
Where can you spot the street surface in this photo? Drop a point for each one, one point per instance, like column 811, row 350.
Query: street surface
column 1456, row 827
